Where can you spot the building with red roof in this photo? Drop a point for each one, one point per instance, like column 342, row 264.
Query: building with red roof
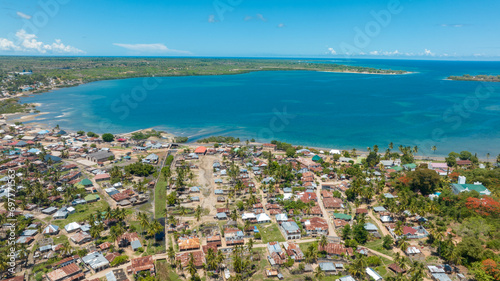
column 200, row 150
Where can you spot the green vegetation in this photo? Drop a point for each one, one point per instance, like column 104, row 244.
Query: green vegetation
column 87, row 69
column 82, row 212
column 146, row 135
column 160, row 198
column 140, row 169
column 482, row 78
column 270, row 233
column 181, row 139
column 219, row 139
column 12, row 106
column 108, row 137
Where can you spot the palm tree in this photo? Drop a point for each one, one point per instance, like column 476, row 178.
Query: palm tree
column 144, row 220
column 323, row 241
column 391, row 145
column 434, row 148
column 191, row 266
column 197, row 213
column 66, row 249
column 357, row 267
column 403, row 243
column 154, row 228
column 250, row 245
column 319, row 273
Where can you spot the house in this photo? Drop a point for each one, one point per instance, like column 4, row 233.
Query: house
column 459, row 188
column 51, row 229
column 263, row 218
column 66, row 261
column 151, row 159
column 336, row 249
column 102, row 177
column 127, row 238
column 395, row 268
column 201, row 150
column 332, row 203
column 81, row 237
column 184, row 258
column 315, row 226
column 293, row 250
column 290, row 230
column 142, row 264
column 346, row 278
column 61, row 214
column 412, row 251
column 71, row 227
column 327, row 267
column 373, row 274
column 276, row 255
column 281, row 218
column 70, row 272
column 96, row 261
column 234, row 236
column 100, row 156
column 116, row 275
column 188, row 243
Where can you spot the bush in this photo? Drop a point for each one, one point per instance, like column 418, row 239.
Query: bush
column 257, row 236
column 373, row 261
column 108, row 137
column 119, row 260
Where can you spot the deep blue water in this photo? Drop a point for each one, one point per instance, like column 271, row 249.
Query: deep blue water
column 331, row 110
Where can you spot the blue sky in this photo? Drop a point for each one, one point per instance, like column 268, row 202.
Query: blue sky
column 446, row 29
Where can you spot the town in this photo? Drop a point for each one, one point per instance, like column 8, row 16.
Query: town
column 145, row 206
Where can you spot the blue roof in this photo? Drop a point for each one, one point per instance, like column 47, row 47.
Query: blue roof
column 136, row 244
column 327, row 266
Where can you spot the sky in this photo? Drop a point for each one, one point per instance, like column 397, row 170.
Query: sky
column 444, row 29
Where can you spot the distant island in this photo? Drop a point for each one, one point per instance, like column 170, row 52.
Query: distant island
column 484, row 78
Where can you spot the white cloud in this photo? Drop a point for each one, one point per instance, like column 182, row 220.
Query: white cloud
column 332, row 51
column 456, row 25
column 150, row 48
column 23, row 15
column 257, row 17
column 281, row 25
column 374, row 53
column 28, row 43
column 428, row 52
column 211, row 18
column 261, row 17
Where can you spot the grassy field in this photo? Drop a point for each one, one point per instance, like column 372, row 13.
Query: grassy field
column 82, row 212
column 160, row 198
column 270, row 233
column 377, row 246
column 165, row 272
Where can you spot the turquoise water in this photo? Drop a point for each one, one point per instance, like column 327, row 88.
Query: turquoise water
column 331, row 110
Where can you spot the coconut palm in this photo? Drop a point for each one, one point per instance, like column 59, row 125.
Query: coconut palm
column 154, row 228
column 319, row 273
column 323, row 241
column 403, row 243
column 357, row 266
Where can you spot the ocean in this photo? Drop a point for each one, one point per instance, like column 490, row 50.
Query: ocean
column 320, row 109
